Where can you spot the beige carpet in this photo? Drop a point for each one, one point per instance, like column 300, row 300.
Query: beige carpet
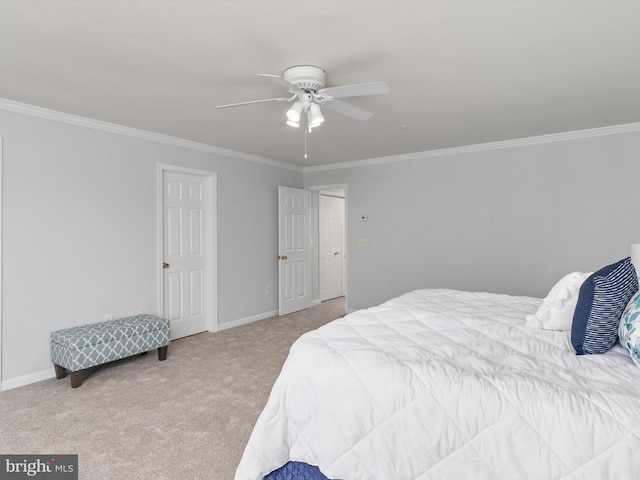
column 188, row 417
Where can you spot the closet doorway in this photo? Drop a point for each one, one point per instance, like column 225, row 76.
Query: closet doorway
column 331, row 245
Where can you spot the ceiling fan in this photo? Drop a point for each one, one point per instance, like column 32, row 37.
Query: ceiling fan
column 306, row 84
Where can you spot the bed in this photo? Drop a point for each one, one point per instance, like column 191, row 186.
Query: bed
column 443, row 384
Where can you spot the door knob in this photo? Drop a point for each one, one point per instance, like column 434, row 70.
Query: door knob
column 336, row 253
column 165, row 265
column 282, row 257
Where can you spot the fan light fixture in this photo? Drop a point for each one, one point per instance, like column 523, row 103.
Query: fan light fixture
column 314, row 115
column 308, row 106
column 293, row 115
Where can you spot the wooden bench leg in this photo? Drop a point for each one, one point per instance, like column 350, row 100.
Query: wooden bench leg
column 76, row 379
column 162, row 353
column 61, row 372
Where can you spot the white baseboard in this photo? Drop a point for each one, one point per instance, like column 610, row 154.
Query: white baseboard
column 27, row 379
column 246, row 320
column 255, row 318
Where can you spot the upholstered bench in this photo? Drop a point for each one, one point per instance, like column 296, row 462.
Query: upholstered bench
column 76, row 349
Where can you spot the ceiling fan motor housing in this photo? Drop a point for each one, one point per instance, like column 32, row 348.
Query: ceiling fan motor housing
column 306, row 77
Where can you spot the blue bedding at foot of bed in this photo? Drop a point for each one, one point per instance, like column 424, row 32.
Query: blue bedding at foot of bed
column 296, row 471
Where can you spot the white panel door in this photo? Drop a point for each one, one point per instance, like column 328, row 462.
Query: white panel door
column 294, row 220
column 331, row 247
column 185, row 248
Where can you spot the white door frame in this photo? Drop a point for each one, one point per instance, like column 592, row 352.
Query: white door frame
column 345, row 187
column 211, row 295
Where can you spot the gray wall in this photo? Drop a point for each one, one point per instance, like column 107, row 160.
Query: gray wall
column 508, row 220
column 79, row 225
column 80, row 228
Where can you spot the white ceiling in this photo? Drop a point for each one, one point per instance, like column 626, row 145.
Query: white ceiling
column 461, row 72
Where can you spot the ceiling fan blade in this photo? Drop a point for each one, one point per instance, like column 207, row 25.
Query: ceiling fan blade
column 348, row 110
column 288, row 86
column 253, row 101
column 356, row 90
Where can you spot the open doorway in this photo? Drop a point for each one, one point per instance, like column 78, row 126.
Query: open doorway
column 329, row 245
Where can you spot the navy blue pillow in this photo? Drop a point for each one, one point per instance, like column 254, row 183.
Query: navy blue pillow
column 602, row 299
column 296, row 471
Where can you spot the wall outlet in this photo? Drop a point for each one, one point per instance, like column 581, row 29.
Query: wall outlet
column 108, row 317
column 267, row 290
column 138, row 311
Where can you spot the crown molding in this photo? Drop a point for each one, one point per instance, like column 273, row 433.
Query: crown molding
column 31, row 110
column 482, row 147
column 47, row 114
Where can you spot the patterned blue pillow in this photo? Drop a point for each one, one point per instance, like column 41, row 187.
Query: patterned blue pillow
column 629, row 331
column 603, row 297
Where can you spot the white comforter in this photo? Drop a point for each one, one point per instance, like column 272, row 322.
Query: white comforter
column 448, row 385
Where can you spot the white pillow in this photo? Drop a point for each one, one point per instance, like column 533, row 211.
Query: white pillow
column 556, row 311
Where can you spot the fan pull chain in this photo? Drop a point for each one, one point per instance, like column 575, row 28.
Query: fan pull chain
column 305, row 143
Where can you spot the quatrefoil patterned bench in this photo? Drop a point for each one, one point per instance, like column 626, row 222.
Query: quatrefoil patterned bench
column 76, row 349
